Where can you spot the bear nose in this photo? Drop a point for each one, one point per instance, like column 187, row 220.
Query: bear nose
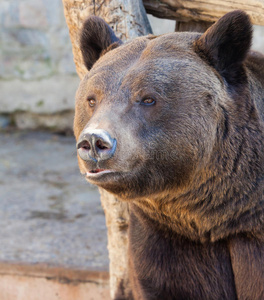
column 96, row 145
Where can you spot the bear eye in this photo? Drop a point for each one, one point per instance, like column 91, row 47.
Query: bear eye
column 91, row 102
column 148, row 101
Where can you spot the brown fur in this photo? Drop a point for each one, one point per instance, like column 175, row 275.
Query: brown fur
column 191, row 166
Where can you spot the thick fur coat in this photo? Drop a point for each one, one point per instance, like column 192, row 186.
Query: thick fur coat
column 174, row 125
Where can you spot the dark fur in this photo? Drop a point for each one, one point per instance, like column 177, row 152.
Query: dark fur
column 227, row 49
column 92, row 46
column 192, row 165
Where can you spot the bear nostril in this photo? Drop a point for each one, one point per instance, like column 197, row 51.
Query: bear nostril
column 96, row 145
column 99, row 144
column 85, row 145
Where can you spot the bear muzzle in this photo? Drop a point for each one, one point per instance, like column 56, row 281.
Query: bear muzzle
column 96, row 145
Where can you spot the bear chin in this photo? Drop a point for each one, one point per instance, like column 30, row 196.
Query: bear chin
column 125, row 185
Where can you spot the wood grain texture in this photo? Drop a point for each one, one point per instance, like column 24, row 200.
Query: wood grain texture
column 199, row 10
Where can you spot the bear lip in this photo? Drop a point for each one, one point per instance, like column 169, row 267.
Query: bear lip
column 96, row 172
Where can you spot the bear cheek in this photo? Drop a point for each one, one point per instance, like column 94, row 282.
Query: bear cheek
column 130, row 152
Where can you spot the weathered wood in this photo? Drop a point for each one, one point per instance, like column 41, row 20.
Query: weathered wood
column 128, row 19
column 200, row 10
column 117, row 218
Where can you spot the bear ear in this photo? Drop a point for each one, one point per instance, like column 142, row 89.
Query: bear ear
column 225, row 45
column 96, row 37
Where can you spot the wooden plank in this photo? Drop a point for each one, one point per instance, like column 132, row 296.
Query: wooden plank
column 204, row 10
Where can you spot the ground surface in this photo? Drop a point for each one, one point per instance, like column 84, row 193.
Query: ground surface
column 48, row 213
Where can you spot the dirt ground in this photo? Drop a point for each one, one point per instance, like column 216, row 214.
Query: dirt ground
column 48, row 213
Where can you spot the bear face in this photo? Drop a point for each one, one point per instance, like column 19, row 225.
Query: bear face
column 174, row 123
column 146, row 103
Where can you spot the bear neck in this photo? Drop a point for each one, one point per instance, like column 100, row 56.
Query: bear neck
column 225, row 198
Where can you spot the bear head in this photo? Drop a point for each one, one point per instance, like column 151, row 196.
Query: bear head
column 150, row 113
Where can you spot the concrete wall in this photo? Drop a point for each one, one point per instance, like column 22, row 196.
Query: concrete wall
column 37, row 73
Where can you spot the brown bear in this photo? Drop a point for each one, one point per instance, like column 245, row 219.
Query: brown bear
column 174, row 125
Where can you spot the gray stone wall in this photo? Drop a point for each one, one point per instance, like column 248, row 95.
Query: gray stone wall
column 37, row 73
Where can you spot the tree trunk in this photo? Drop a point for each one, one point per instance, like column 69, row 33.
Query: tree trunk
column 128, row 19
column 200, row 10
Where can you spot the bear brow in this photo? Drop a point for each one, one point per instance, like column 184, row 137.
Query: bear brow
column 104, row 82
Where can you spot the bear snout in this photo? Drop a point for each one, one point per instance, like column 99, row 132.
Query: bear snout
column 96, row 145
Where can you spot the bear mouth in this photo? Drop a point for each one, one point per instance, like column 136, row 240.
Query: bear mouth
column 97, row 172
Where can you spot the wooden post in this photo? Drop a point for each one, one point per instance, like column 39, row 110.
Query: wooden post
column 128, row 19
